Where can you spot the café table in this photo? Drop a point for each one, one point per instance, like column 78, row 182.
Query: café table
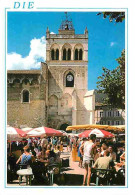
column 27, row 173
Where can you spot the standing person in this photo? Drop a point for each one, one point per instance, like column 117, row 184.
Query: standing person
column 29, row 142
column 44, row 142
column 59, row 141
column 88, row 148
column 71, row 142
column 79, row 154
column 61, row 146
column 49, row 139
column 68, row 144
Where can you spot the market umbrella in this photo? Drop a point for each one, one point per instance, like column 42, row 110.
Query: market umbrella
column 41, row 131
column 98, row 132
column 63, row 132
column 26, row 129
column 14, row 134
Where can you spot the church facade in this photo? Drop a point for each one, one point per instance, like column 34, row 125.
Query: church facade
column 56, row 95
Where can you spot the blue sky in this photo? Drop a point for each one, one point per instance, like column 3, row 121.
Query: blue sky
column 26, row 33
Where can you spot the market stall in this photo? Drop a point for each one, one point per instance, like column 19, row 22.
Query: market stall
column 118, row 128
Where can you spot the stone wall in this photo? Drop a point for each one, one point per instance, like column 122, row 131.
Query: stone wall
column 26, row 114
column 34, row 112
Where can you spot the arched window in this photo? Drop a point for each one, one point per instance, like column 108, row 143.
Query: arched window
column 69, row 54
column 76, row 54
column 57, row 54
column 52, row 54
column 53, row 105
column 25, row 81
column 80, row 54
column 64, row 54
column 25, row 96
column 69, row 80
column 16, row 81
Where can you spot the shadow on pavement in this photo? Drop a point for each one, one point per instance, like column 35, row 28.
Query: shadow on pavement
column 66, row 169
column 69, row 180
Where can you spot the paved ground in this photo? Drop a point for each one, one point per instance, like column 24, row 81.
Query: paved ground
column 74, row 168
column 70, row 176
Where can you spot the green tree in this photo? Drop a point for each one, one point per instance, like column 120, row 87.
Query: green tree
column 113, row 16
column 112, row 83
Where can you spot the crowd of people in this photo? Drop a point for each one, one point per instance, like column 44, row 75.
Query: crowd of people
column 100, row 156
column 38, row 153
column 45, row 149
column 93, row 153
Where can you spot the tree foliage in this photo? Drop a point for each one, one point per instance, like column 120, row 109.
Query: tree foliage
column 112, row 83
column 113, row 16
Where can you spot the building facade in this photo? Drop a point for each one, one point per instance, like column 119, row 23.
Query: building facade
column 56, row 95
column 106, row 115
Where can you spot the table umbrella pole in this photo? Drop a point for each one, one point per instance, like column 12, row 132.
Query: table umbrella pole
column 10, row 146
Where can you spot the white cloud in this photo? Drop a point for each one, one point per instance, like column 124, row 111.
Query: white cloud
column 37, row 54
column 52, row 33
column 112, row 44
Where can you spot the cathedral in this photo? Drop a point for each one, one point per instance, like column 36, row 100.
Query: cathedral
column 56, row 95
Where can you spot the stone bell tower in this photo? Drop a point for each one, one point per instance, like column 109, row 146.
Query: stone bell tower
column 67, row 60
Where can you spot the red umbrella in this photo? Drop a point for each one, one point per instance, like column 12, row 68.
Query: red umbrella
column 41, row 131
column 98, row 132
column 14, row 134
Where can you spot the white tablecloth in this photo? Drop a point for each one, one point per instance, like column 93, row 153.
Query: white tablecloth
column 25, row 172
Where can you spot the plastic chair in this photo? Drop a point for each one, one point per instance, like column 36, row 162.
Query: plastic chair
column 103, row 175
column 53, row 169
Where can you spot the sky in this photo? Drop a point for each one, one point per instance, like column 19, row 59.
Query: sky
column 26, row 41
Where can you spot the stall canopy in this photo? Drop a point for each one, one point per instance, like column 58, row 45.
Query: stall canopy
column 118, row 128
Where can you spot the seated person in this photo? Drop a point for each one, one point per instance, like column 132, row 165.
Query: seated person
column 57, row 150
column 98, row 153
column 58, row 153
column 49, row 158
column 103, row 148
column 48, row 148
column 25, row 158
column 112, row 153
column 118, row 154
column 122, row 157
column 120, row 165
column 104, row 162
column 11, row 161
column 39, row 155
